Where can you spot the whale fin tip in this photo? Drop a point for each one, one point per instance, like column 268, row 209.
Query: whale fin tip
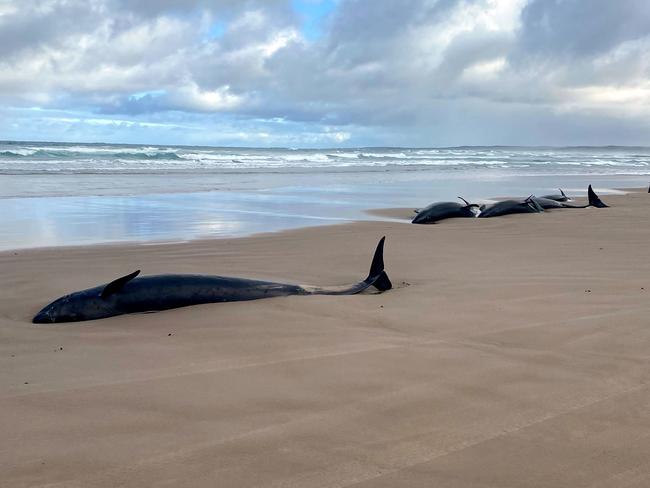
column 116, row 285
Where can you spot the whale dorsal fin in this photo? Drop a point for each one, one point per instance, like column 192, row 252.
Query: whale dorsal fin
column 563, row 194
column 118, row 284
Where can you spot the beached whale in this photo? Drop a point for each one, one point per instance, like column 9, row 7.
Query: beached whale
column 558, row 198
column 508, row 207
column 547, row 203
column 550, row 203
column 534, row 204
column 445, row 210
column 130, row 294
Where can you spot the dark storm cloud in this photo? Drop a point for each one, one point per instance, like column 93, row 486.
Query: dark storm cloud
column 576, row 28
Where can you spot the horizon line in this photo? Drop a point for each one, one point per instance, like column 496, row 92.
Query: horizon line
column 335, row 148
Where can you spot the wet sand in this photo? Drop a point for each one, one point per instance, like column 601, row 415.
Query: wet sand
column 512, row 352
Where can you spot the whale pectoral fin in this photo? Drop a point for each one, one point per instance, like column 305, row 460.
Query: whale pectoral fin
column 118, row 284
column 533, row 204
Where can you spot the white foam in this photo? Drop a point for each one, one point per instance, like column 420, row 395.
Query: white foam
column 106, row 158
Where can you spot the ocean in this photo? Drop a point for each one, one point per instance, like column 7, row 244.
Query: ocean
column 54, row 194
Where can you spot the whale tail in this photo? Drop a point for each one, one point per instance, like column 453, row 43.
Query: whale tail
column 594, row 201
column 377, row 277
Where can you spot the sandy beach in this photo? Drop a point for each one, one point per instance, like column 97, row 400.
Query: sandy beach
column 513, row 352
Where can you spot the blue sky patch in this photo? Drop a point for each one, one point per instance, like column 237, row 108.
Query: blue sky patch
column 313, row 13
column 150, row 93
column 216, row 30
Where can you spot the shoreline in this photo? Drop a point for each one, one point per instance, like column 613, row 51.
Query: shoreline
column 394, row 214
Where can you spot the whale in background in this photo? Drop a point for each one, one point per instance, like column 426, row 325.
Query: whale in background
column 445, row 210
column 508, row 207
column 548, row 203
column 558, row 198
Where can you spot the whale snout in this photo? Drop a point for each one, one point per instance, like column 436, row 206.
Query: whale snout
column 43, row 317
column 418, row 219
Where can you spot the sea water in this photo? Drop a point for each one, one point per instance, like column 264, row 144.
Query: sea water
column 55, row 194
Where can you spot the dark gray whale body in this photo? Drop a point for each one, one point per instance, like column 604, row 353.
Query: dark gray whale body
column 508, row 207
column 534, row 204
column 130, row 294
column 548, row 204
column 558, row 198
column 445, row 210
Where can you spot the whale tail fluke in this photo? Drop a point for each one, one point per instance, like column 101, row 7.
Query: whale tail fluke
column 594, row 201
column 377, row 277
column 382, row 283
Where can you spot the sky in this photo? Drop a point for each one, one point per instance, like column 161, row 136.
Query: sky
column 326, row 73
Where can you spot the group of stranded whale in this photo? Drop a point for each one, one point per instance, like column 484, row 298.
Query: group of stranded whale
column 134, row 294
column 447, row 210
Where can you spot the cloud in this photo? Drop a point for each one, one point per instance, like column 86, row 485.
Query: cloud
column 419, row 72
column 572, row 28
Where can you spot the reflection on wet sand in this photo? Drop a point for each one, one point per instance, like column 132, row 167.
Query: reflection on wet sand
column 319, row 200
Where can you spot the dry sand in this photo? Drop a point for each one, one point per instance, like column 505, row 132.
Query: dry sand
column 517, row 355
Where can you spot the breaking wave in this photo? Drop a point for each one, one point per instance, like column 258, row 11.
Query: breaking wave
column 50, row 158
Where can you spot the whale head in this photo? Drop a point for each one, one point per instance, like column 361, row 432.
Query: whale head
column 83, row 305
column 94, row 303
